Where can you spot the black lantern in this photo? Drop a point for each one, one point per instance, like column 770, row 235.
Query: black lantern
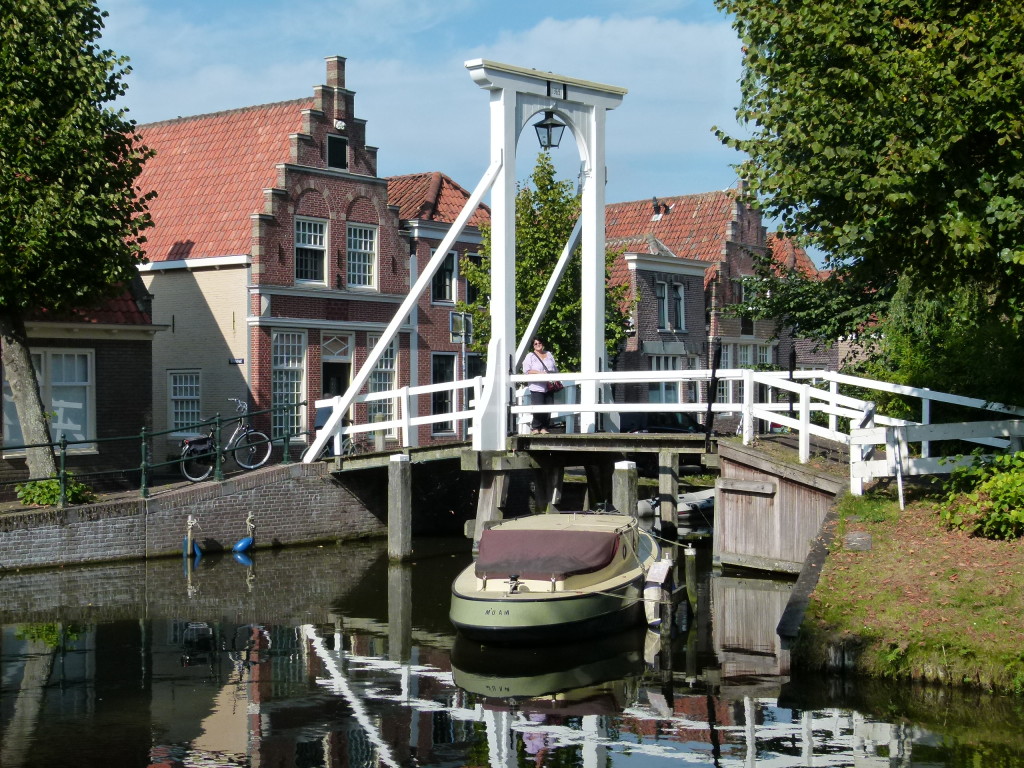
column 549, row 131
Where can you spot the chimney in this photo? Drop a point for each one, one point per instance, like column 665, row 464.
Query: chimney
column 336, row 71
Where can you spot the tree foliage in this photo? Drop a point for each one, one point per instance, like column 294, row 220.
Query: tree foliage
column 889, row 134
column 546, row 212
column 71, row 219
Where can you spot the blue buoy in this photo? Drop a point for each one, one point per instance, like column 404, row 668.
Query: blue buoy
column 242, row 558
column 184, row 547
column 198, row 549
column 244, row 545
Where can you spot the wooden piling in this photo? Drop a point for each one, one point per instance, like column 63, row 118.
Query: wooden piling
column 399, row 507
column 624, row 482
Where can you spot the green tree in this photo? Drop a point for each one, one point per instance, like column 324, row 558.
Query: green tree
column 891, row 136
column 70, row 216
column 546, row 212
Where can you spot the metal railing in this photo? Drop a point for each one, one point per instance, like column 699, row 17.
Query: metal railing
column 63, row 448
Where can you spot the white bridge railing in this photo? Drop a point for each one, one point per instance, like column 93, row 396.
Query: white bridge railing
column 808, row 403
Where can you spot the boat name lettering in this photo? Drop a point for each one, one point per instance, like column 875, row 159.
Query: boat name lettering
column 497, row 612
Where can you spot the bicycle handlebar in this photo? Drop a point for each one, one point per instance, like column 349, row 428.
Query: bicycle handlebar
column 240, row 405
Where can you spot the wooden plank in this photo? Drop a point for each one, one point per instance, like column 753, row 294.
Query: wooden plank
column 762, row 487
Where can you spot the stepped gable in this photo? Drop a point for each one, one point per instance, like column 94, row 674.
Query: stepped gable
column 432, row 197
column 685, row 226
column 209, row 172
column 789, row 254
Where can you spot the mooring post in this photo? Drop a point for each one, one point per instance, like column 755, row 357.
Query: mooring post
column 690, row 571
column 399, row 612
column 399, row 507
column 624, row 480
column 668, row 493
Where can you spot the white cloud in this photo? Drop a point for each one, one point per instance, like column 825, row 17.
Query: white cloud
column 405, row 62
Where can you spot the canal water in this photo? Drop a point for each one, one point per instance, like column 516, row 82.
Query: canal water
column 328, row 656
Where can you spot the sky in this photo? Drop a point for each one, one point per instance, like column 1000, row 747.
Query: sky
column 679, row 60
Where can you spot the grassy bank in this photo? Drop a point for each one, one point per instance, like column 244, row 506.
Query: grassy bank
column 923, row 602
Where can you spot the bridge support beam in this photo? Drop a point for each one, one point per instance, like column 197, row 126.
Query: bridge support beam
column 490, row 501
column 399, row 507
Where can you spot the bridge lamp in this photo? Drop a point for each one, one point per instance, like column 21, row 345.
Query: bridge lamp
column 549, row 131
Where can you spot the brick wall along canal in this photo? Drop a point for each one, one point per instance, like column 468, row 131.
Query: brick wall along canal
column 331, row 657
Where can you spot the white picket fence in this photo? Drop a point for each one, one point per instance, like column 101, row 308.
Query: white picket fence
column 777, row 398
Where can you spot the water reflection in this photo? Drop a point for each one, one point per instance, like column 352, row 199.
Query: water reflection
column 331, row 657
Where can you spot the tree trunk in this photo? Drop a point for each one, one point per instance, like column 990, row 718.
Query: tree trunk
column 21, row 376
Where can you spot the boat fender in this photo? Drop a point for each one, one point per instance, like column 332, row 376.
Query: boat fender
column 242, row 558
column 243, row 545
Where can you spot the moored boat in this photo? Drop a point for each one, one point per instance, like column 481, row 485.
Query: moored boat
column 543, row 577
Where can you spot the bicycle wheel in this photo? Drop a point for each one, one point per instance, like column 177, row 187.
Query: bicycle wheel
column 252, row 450
column 195, row 466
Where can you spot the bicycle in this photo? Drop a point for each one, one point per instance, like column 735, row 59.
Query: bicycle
column 349, row 447
column 249, row 448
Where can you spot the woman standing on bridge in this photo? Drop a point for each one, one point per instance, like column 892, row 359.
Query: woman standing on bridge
column 540, row 360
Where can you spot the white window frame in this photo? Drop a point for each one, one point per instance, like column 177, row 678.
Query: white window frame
column 661, row 297
column 174, row 397
column 43, row 363
column 284, row 365
column 311, row 236
column 361, row 263
column 764, row 354
column 447, row 284
column 383, row 378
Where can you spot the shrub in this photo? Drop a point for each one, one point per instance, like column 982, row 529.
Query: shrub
column 987, row 498
column 46, row 493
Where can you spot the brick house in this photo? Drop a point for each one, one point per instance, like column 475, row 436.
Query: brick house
column 95, row 368
column 683, row 257
column 277, row 259
column 428, row 204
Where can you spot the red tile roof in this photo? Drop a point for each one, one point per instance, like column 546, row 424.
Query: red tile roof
column 209, row 173
column 122, row 310
column 689, row 226
column 788, row 253
column 432, row 197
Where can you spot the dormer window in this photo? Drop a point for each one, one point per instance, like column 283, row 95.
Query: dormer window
column 337, row 152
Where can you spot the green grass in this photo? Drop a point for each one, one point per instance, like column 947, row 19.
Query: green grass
column 924, row 603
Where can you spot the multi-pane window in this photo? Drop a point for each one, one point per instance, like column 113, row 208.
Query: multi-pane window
column 185, row 391
column 68, row 390
column 764, row 355
column 664, row 391
column 383, row 379
column 362, row 256
column 726, row 361
column 692, row 389
column 442, row 370
column 442, row 288
column 310, row 250
column 661, row 295
column 746, row 355
column 287, row 368
column 679, row 307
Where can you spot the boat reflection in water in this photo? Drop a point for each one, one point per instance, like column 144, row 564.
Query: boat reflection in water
column 270, row 666
column 590, row 677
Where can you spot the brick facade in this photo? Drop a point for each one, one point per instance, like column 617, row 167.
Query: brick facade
column 291, row 504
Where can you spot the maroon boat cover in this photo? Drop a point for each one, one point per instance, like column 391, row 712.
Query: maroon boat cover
column 543, row 554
